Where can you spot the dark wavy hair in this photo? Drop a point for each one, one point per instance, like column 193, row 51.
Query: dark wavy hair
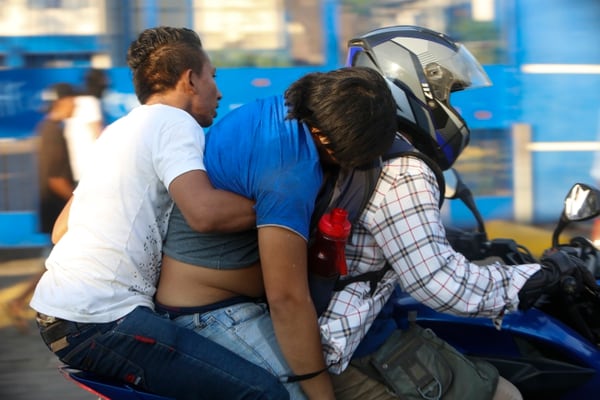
column 160, row 55
column 352, row 107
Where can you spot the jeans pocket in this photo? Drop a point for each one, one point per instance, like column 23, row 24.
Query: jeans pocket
column 104, row 355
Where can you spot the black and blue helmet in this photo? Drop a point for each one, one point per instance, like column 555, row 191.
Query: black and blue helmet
column 422, row 68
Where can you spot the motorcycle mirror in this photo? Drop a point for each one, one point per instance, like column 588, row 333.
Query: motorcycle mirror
column 456, row 188
column 581, row 203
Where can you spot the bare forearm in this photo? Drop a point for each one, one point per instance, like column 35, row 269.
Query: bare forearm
column 61, row 187
column 222, row 211
column 283, row 260
column 60, row 225
column 297, row 332
column 207, row 209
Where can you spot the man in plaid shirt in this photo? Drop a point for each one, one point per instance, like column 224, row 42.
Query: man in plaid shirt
column 401, row 224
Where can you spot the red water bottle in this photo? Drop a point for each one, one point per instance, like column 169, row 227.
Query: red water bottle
column 326, row 255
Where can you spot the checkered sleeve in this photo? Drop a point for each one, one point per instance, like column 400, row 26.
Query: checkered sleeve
column 407, row 226
column 402, row 225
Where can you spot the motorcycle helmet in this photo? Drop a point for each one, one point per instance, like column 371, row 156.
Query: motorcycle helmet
column 422, row 68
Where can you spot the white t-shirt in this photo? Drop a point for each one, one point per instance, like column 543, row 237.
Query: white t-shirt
column 80, row 132
column 108, row 261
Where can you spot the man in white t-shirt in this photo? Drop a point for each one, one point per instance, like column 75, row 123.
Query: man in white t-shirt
column 95, row 301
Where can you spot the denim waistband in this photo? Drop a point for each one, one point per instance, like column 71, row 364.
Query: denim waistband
column 175, row 312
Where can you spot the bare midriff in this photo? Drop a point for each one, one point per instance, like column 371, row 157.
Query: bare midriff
column 186, row 285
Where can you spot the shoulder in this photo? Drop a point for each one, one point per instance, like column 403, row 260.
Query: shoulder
column 162, row 110
column 403, row 177
column 161, row 127
column 252, row 108
column 407, row 165
column 262, row 117
column 162, row 116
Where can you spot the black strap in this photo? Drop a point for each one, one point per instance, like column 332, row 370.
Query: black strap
column 352, row 191
column 323, row 200
column 303, row 377
column 373, row 277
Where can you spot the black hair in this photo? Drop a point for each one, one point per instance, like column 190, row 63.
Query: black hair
column 352, row 107
column 57, row 91
column 160, row 55
column 95, row 82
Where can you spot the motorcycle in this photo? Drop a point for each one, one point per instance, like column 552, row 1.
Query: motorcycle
column 551, row 351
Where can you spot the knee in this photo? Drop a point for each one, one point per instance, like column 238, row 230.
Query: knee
column 505, row 390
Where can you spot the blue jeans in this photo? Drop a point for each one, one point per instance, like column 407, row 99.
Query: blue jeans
column 247, row 329
column 150, row 351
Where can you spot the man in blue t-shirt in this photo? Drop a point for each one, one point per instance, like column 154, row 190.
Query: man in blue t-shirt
column 274, row 151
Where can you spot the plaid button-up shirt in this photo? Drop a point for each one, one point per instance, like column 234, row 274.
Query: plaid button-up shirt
column 402, row 225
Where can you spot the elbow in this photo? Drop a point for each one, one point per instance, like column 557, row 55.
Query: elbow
column 203, row 225
column 202, row 220
column 54, row 238
column 288, row 304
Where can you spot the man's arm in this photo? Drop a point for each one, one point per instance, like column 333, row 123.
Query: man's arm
column 207, row 209
column 283, row 261
column 60, row 225
column 61, row 187
column 96, row 127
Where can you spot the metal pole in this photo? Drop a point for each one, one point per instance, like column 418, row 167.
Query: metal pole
column 522, row 173
column 331, row 31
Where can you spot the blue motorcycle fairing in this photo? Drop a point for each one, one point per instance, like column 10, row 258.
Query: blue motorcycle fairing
column 107, row 389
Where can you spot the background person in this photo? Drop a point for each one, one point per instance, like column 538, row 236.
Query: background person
column 87, row 121
column 55, row 179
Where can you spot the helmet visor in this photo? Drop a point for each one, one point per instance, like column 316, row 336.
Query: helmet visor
column 458, row 72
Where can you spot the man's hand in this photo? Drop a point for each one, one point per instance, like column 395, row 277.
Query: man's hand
column 559, row 271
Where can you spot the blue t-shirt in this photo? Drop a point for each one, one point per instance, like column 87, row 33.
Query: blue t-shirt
column 258, row 153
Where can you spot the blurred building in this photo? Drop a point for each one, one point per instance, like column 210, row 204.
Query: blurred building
column 66, row 33
column 44, row 33
column 533, row 131
column 71, row 33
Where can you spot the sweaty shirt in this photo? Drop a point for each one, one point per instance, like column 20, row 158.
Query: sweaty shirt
column 258, row 153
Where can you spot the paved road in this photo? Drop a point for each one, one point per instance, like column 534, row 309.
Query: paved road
column 28, row 370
